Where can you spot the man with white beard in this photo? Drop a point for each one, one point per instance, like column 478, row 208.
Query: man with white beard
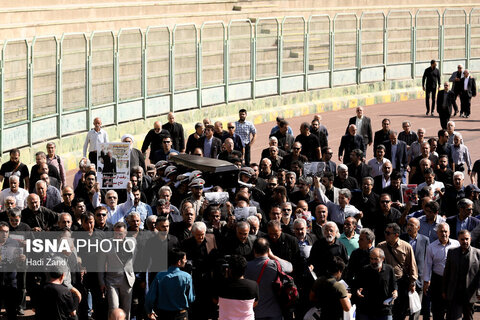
column 325, row 249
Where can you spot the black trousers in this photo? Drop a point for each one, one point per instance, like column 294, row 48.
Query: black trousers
column 455, row 106
column 171, row 315
column 247, row 155
column 401, row 305
column 444, row 118
column 10, row 296
column 92, row 156
column 439, row 305
column 465, row 101
column 433, row 94
column 456, row 309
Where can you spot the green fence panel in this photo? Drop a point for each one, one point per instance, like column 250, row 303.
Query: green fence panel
column 239, row 50
column 73, row 71
column 44, row 73
column 157, row 46
column 130, row 64
column 185, row 64
column 293, row 45
column 15, row 82
column 266, row 35
column 102, row 60
column 427, row 40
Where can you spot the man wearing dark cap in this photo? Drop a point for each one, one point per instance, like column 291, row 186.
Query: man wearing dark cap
column 472, row 192
column 197, row 198
column 431, row 77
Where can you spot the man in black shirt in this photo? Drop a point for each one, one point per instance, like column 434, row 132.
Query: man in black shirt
column 342, row 180
column 285, row 140
column 382, row 135
column 14, row 167
column 37, row 217
column 350, row 142
column 430, row 79
column 154, row 139
column 326, row 248
column 57, row 302
column 310, row 143
column 176, row 133
column 374, row 284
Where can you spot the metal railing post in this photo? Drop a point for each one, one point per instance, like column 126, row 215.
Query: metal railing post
column 144, row 75
column 172, row 71
column 279, row 57
column 414, row 51
column 59, row 98
column 198, row 44
column 30, row 95
column 226, row 64
column 253, row 62
column 331, row 60
column 2, row 101
column 116, row 78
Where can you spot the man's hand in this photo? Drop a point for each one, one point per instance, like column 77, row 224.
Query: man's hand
column 423, row 87
column 152, row 316
column 412, row 288
column 316, row 182
column 426, row 285
column 394, row 294
column 359, row 293
column 129, row 186
column 37, row 229
column 340, row 158
column 77, row 293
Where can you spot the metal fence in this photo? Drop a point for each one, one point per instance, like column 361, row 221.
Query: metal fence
column 53, row 87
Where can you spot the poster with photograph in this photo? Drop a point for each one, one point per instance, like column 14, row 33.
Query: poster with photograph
column 409, row 193
column 312, row 168
column 113, row 165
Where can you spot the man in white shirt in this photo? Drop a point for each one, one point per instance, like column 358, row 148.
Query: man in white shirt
column 116, row 212
column 94, row 137
column 435, row 260
column 437, row 186
column 377, row 163
column 15, row 191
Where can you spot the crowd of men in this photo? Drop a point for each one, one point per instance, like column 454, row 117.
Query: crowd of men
column 349, row 220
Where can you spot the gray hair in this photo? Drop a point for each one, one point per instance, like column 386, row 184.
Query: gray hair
column 463, row 203
column 459, row 174
column 381, row 253
column 342, row 167
column 444, row 225
column 345, row 192
column 331, row 224
column 368, row 234
column 291, row 173
column 199, row 226
column 14, row 212
column 133, row 214
column 253, row 219
column 165, row 188
column 14, row 177
column 243, row 225
column 39, row 182
column 300, row 221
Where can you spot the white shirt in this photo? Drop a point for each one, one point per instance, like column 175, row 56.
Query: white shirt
column 386, row 183
column 436, row 257
column 92, row 139
column 376, row 166
column 435, row 185
column 358, row 124
column 120, row 211
column 20, row 197
column 336, row 212
column 465, row 83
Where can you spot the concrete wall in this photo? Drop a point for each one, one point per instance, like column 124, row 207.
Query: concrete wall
column 25, row 19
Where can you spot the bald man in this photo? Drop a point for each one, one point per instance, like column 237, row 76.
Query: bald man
column 154, row 139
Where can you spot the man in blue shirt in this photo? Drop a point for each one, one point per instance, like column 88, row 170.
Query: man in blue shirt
column 171, row 292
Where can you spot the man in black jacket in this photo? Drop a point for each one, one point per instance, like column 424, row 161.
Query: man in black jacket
column 445, row 100
column 364, row 127
column 431, row 76
column 349, row 142
column 176, row 132
column 456, row 85
column 468, row 90
column 210, row 145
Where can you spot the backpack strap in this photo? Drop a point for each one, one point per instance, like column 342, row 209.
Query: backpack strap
column 261, row 272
